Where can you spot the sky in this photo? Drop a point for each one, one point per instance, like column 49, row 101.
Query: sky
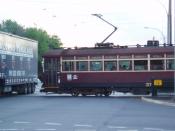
column 72, row 21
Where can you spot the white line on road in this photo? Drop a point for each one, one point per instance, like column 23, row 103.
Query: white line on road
column 53, row 123
column 82, row 125
column 127, row 130
column 11, row 129
column 117, row 127
column 45, row 129
column 85, row 130
column 22, row 122
column 153, row 129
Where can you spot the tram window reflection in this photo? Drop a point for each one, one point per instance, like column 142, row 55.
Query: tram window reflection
column 125, row 65
column 81, row 65
column 170, row 64
column 96, row 66
column 110, row 65
column 140, row 65
column 157, row 64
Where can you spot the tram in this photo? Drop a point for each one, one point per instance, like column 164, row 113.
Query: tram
column 102, row 69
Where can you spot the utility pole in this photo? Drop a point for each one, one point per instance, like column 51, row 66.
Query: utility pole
column 169, row 24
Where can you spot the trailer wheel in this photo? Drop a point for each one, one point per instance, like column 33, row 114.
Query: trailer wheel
column 83, row 94
column 75, row 93
column 107, row 93
column 98, row 94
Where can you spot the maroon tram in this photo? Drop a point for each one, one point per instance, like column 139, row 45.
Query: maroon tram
column 106, row 68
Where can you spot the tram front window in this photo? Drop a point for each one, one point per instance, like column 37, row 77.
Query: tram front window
column 68, row 66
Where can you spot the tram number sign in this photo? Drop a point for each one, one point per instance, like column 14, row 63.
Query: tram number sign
column 158, row 83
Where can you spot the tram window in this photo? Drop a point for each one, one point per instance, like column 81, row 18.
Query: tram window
column 82, row 65
column 110, row 65
column 95, row 65
column 68, row 66
column 170, row 64
column 55, row 64
column 140, row 65
column 47, row 64
column 157, row 64
column 125, row 65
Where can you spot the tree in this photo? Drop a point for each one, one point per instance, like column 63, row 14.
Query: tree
column 54, row 42
column 12, row 27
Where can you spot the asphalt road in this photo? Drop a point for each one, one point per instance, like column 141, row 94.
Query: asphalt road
column 66, row 113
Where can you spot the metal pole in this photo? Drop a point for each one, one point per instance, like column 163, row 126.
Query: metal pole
column 169, row 26
column 174, row 49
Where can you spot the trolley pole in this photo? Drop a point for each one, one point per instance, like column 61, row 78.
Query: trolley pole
column 115, row 28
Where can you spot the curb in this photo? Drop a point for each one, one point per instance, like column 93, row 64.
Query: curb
column 160, row 102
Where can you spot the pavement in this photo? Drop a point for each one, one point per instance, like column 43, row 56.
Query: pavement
column 162, row 100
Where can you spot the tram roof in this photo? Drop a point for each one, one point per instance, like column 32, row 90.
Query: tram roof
column 108, row 51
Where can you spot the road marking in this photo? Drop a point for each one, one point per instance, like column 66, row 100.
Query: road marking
column 11, row 129
column 154, row 129
column 127, row 130
column 85, row 130
column 83, row 125
column 22, row 122
column 45, row 129
column 168, row 130
column 53, row 124
column 117, row 127
column 158, row 101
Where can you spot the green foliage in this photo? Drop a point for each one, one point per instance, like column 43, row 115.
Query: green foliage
column 41, row 36
column 54, row 41
column 12, row 27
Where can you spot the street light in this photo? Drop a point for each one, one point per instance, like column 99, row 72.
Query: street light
column 163, row 36
column 169, row 20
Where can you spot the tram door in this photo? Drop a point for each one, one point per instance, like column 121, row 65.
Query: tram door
column 51, row 69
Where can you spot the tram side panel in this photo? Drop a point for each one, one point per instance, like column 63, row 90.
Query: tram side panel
column 18, row 64
column 135, row 82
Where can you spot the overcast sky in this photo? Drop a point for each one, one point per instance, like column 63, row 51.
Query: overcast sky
column 72, row 21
